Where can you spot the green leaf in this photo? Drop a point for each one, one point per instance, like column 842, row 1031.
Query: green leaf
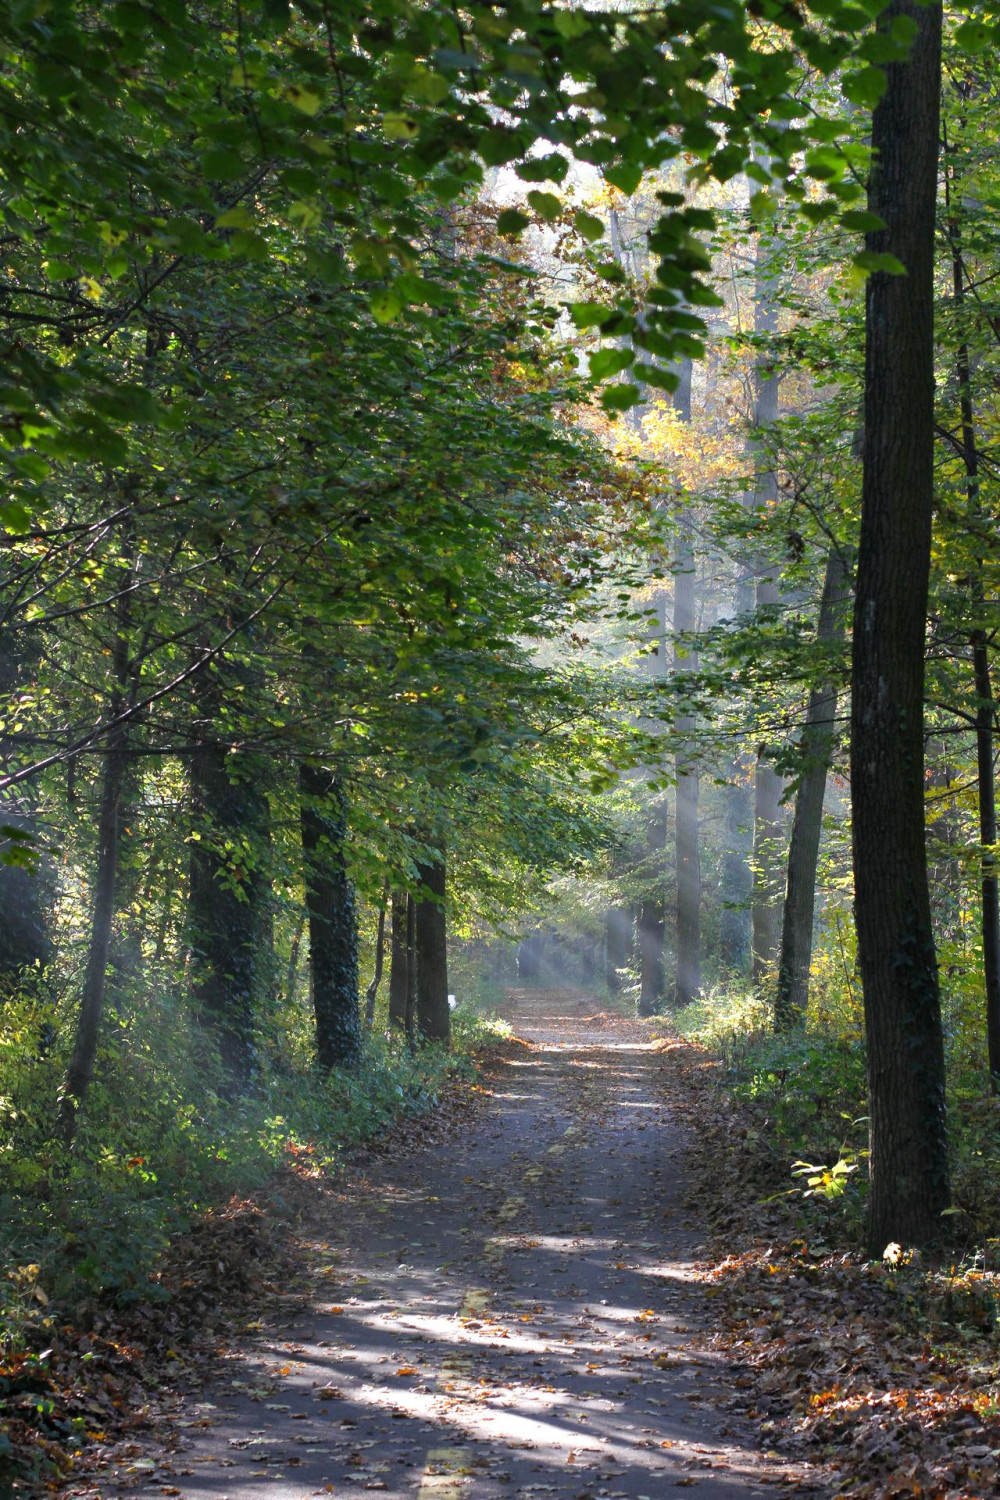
column 385, row 305
column 235, row 218
column 397, row 126
column 546, row 205
column 762, row 206
column 871, row 260
column 511, row 221
column 15, row 517
column 605, row 362
column 866, row 87
column 620, row 397
column 588, row 225
column 306, row 215
column 818, row 213
column 306, row 100
column 570, row 24
column 589, row 314
column 550, row 168
column 663, row 379
column 625, row 176
column 862, row 221
column 975, row 36
column 221, row 165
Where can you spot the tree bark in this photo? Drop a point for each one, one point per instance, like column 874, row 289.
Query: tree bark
column 768, row 786
column 399, row 959
column 989, row 890
column 81, row 1066
column 737, row 878
column 910, row 1186
column 985, row 706
column 410, row 1007
column 26, row 893
column 792, row 994
column 617, row 941
column 371, row 994
column 228, row 890
column 292, row 971
column 333, row 935
column 649, row 928
column 687, row 848
column 651, row 921
column 433, row 1013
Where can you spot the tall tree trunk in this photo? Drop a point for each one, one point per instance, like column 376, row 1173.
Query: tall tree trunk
column 410, row 1008
column 228, row 889
column 768, row 787
column 333, row 933
column 371, row 994
column 130, row 899
column 292, row 971
column 910, row 1186
column 81, row 1066
column 433, row 1013
column 399, row 959
column 26, row 889
column 807, row 823
column 737, row 878
column 687, row 849
column 617, row 941
column 985, row 706
column 649, row 927
column 990, row 912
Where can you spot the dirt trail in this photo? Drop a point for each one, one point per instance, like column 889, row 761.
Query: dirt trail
column 514, row 1314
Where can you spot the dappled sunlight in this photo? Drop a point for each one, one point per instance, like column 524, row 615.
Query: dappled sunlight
column 518, row 1316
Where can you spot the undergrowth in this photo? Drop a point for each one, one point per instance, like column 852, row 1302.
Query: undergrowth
column 157, row 1142
column 806, row 1091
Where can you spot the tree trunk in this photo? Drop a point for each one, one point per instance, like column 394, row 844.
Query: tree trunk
column 433, row 1014
column 617, row 936
column 737, row 878
column 909, row 1162
column 81, row 1067
column 985, row 706
column 371, row 994
column 651, row 924
column 985, row 709
column 26, row 889
column 410, row 1009
column 292, row 971
column 652, row 986
column 807, row 823
column 687, row 849
column 768, row 787
column 399, row 960
column 228, row 890
column 333, row 934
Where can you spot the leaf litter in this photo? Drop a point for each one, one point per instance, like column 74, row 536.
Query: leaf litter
column 884, row 1373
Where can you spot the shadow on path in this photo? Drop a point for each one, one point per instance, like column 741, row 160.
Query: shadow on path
column 516, row 1313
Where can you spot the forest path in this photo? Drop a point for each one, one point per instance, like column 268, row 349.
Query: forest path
column 514, row 1313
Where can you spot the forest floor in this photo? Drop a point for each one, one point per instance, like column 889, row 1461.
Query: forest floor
column 509, row 1305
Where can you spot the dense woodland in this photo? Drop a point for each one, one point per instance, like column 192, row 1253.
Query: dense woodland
column 492, row 493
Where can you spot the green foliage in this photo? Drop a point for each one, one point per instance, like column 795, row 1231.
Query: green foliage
column 158, row 1141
